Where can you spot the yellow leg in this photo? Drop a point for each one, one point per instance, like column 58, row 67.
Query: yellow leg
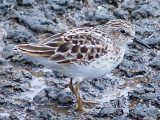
column 83, row 101
column 75, row 91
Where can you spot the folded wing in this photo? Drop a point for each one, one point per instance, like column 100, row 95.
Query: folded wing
column 67, row 48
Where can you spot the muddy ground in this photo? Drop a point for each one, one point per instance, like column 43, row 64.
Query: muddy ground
column 29, row 91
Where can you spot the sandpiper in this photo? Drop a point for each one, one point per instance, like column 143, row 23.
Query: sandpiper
column 84, row 53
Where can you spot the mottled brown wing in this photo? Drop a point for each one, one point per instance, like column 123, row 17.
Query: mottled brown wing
column 68, row 48
column 76, row 47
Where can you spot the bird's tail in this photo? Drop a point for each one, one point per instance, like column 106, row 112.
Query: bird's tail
column 34, row 50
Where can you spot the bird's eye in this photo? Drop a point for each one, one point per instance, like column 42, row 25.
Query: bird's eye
column 122, row 31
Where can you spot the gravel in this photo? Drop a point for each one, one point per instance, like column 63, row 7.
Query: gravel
column 30, row 91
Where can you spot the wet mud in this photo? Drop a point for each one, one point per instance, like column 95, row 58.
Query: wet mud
column 29, row 91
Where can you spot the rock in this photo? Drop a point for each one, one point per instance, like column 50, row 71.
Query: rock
column 8, row 51
column 144, row 90
column 148, row 33
column 42, row 98
column 149, row 96
column 25, row 2
column 44, row 114
column 139, row 91
column 2, row 101
column 103, row 13
column 31, row 111
column 147, row 90
column 129, row 5
column 24, row 21
column 24, row 60
column 11, row 88
column 53, row 96
column 100, row 84
column 60, row 2
column 121, row 14
column 141, row 112
column 131, row 68
column 4, row 118
column 59, row 9
column 14, row 116
column 122, row 117
column 36, row 21
column 153, row 39
column 147, row 10
column 156, row 102
column 19, row 36
column 89, row 117
column 65, row 98
column 110, row 112
column 133, row 96
column 156, row 63
column 4, row 8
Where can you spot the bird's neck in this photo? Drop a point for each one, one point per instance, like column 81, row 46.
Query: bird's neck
column 119, row 48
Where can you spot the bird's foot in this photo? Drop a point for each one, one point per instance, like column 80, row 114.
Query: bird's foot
column 78, row 98
column 89, row 102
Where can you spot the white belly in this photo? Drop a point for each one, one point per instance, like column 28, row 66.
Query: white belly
column 95, row 69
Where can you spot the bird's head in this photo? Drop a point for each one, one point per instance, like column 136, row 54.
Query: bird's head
column 122, row 32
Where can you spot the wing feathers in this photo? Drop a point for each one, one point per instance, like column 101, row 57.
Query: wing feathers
column 67, row 48
column 36, row 50
column 30, row 47
column 64, row 47
column 42, row 54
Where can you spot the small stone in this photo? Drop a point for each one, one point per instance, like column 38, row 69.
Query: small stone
column 156, row 63
column 31, row 111
column 8, row 51
column 65, row 98
column 14, row 116
column 19, row 36
column 102, row 13
column 2, row 101
column 110, row 112
column 25, row 2
column 139, row 91
column 147, row 90
column 149, row 96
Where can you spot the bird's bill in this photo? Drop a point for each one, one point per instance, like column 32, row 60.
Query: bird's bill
column 141, row 43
